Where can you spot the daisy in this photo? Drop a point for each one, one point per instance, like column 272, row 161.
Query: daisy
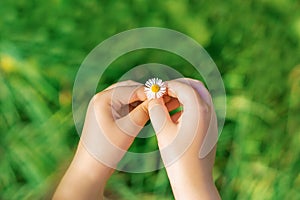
column 155, row 88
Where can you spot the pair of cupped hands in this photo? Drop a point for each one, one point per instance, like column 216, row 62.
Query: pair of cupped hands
column 114, row 118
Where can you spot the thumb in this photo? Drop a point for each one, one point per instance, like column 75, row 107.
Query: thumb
column 159, row 115
column 133, row 122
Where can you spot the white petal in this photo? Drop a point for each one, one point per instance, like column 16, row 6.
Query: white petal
column 149, row 83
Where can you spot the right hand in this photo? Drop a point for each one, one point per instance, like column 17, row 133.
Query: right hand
column 187, row 139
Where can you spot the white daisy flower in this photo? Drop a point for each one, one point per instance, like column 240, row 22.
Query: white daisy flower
column 155, row 88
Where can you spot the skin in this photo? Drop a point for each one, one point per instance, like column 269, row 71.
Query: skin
column 190, row 177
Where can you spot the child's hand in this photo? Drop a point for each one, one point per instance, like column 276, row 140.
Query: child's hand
column 181, row 136
column 114, row 117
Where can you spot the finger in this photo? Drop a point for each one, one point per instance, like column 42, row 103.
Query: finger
column 134, row 105
column 167, row 98
column 159, row 115
column 129, row 94
column 139, row 94
column 199, row 87
column 175, row 118
column 187, row 96
column 172, row 104
column 123, row 83
column 133, row 120
column 123, row 95
column 140, row 114
column 132, row 123
column 117, row 99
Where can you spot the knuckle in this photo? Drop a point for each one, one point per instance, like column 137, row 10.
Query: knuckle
column 97, row 99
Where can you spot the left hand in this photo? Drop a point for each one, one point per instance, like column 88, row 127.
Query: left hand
column 113, row 119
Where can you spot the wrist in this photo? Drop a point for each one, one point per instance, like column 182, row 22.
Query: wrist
column 90, row 168
column 191, row 180
column 85, row 178
column 190, row 172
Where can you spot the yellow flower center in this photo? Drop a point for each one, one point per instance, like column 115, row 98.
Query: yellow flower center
column 155, row 88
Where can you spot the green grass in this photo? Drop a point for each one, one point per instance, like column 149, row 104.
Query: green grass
column 254, row 43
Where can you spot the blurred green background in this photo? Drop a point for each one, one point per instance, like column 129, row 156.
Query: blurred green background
column 255, row 44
